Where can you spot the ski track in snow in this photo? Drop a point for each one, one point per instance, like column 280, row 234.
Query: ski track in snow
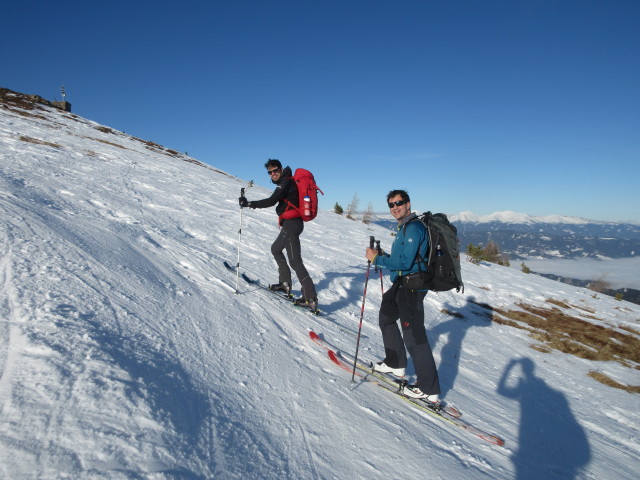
column 126, row 353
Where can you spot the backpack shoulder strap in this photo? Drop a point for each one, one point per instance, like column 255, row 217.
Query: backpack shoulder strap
column 422, row 219
column 290, row 211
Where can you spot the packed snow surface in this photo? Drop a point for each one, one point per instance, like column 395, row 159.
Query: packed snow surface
column 125, row 351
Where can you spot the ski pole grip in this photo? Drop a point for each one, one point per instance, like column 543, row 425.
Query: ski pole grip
column 371, row 241
column 242, row 192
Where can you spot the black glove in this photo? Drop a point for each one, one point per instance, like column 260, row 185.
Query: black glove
column 243, row 202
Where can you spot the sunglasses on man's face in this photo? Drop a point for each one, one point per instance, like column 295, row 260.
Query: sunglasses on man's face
column 399, row 203
column 271, row 172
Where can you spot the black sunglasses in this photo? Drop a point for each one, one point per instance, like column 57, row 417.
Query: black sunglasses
column 399, row 203
column 271, row 172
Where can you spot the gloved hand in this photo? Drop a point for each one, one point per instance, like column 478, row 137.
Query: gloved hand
column 243, row 202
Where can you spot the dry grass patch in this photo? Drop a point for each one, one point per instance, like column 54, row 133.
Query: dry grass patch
column 25, row 138
column 630, row 330
column 622, row 309
column 558, row 303
column 486, row 309
column 557, row 330
column 24, row 113
column 573, row 335
column 584, row 309
column 453, row 314
column 606, row 380
column 107, row 142
column 102, row 129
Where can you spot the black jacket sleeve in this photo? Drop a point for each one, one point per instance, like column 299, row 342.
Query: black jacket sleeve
column 275, row 197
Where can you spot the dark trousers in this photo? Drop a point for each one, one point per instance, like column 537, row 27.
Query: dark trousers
column 407, row 306
column 289, row 240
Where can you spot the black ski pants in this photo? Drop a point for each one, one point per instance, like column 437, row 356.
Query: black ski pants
column 407, row 306
column 289, row 240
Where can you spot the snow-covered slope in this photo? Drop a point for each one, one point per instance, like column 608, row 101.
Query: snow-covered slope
column 125, row 353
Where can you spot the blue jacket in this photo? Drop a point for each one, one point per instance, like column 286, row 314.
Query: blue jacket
column 402, row 261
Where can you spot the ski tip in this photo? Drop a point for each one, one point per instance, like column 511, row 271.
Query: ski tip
column 451, row 410
column 333, row 357
column 250, row 280
column 313, row 335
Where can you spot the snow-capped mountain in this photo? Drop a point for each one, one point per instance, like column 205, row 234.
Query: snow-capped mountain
column 510, row 217
column 127, row 353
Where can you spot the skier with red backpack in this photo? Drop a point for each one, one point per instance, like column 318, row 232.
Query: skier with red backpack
column 297, row 202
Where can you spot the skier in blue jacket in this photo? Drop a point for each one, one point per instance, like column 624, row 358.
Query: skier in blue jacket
column 406, row 304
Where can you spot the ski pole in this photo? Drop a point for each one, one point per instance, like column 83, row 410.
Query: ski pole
column 379, row 250
column 364, row 297
column 239, row 240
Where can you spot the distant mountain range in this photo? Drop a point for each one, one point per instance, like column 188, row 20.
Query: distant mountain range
column 555, row 236
column 516, row 218
column 522, row 236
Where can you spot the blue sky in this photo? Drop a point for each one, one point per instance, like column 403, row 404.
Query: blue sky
column 481, row 106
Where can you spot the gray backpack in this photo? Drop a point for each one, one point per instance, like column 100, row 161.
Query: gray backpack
column 443, row 255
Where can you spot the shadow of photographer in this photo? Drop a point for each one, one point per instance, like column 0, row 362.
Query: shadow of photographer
column 552, row 444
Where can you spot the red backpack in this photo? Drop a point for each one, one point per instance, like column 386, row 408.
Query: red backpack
column 307, row 197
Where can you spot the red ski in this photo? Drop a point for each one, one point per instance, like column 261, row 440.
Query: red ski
column 448, row 414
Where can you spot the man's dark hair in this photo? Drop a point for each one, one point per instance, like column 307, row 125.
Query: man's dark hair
column 403, row 194
column 273, row 162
